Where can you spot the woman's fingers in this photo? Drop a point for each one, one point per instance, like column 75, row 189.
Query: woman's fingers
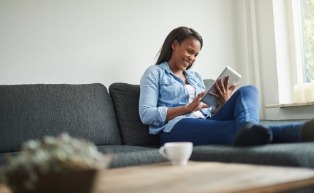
column 233, row 86
column 200, row 95
column 226, row 81
column 197, row 104
column 203, row 105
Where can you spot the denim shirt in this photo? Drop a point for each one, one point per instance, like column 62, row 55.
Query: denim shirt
column 160, row 89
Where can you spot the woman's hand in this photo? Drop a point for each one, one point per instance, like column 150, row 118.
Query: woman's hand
column 223, row 93
column 196, row 104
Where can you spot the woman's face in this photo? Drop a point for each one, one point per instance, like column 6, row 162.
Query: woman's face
column 184, row 54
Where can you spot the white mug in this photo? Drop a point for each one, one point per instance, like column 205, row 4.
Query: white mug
column 177, row 152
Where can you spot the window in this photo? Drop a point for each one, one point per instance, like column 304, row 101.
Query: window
column 306, row 24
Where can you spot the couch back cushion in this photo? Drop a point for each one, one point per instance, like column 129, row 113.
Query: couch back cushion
column 208, row 83
column 125, row 98
column 33, row 111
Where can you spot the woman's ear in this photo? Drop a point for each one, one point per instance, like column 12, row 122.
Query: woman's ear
column 174, row 44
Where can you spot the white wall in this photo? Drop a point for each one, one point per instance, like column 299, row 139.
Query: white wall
column 106, row 41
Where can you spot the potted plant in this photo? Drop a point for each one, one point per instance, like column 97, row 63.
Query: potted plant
column 55, row 164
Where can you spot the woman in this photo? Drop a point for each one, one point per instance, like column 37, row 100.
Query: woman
column 170, row 102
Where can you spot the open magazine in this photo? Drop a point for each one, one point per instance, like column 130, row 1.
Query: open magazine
column 234, row 77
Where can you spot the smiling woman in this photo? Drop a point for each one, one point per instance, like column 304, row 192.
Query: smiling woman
column 165, row 54
column 170, row 102
column 184, row 55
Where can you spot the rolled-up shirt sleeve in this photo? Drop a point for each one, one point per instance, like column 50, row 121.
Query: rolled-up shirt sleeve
column 149, row 112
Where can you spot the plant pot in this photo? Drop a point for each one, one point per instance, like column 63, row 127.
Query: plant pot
column 79, row 181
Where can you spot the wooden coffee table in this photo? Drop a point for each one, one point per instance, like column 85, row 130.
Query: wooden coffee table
column 202, row 177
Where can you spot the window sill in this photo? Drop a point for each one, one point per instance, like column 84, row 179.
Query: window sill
column 290, row 105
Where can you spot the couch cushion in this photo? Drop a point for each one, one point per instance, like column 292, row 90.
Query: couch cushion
column 125, row 98
column 33, row 111
column 208, row 83
column 122, row 155
column 136, row 158
column 286, row 154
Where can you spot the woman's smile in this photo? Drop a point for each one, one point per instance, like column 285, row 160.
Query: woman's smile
column 186, row 63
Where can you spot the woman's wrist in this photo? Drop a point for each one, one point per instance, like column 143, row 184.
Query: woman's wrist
column 187, row 109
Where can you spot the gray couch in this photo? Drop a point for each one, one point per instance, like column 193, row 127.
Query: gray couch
column 110, row 120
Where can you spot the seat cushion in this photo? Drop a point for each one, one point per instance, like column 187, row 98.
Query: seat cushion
column 125, row 98
column 126, row 155
column 285, row 154
column 122, row 155
column 33, row 111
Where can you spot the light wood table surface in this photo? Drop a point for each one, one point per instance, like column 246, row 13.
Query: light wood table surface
column 202, row 177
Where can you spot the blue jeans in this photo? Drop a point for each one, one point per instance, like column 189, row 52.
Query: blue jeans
column 241, row 108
